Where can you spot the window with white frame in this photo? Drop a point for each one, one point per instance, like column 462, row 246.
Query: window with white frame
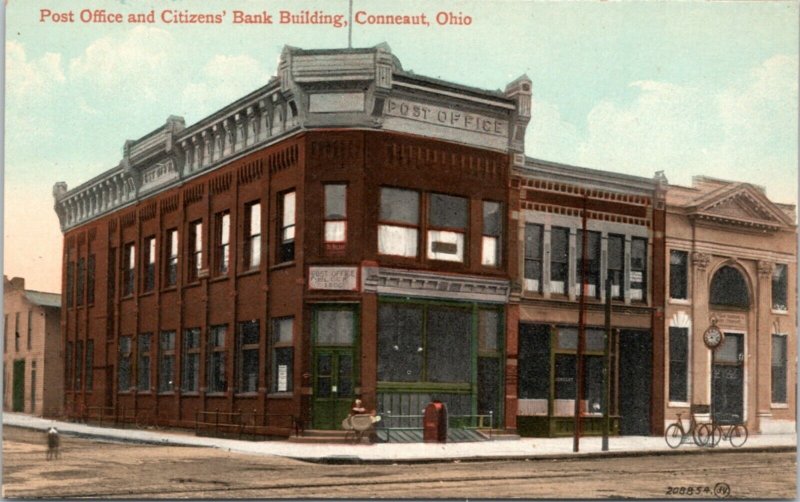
column 447, row 225
column 282, row 354
column 398, row 230
column 492, row 233
column 166, row 361
column 171, row 271
column 559, row 260
column 335, row 231
column 678, row 274
column 143, row 362
column 679, row 364
column 196, row 249
column 592, row 269
column 616, row 265
column 216, row 364
column 252, row 241
column 533, row 257
column 779, row 369
column 247, row 356
column 223, row 242
column 190, row 360
column 638, row 269
column 287, row 226
column 129, row 259
column 780, row 278
column 149, row 263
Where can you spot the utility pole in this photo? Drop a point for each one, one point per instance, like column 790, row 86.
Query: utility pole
column 581, row 335
column 607, row 370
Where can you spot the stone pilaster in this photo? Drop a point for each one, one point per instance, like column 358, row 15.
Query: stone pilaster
column 701, row 358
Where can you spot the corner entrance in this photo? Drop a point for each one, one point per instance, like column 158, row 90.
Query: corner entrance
column 335, row 370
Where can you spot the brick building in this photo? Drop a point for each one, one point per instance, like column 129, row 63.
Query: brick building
column 340, row 232
column 32, row 350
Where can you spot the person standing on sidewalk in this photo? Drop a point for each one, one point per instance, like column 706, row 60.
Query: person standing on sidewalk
column 53, row 444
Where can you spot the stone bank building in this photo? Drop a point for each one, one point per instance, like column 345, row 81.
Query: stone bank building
column 353, row 229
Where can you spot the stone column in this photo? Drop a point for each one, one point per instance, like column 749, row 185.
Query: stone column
column 763, row 343
column 701, row 357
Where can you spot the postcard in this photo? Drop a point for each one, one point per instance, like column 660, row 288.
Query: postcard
column 373, row 249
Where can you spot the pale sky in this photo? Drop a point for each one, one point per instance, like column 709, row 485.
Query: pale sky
column 635, row 87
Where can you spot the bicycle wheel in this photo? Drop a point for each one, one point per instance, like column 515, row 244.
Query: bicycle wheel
column 738, row 435
column 702, row 434
column 716, row 435
column 673, row 436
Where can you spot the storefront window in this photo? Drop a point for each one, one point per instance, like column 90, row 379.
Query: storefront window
column 143, row 363
column 247, row 356
column 215, row 363
column 400, row 346
column 448, row 345
column 190, row 360
column 166, row 361
column 282, row 354
column 124, row 368
column 534, row 363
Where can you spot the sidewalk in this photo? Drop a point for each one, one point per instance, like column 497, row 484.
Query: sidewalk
column 531, row 448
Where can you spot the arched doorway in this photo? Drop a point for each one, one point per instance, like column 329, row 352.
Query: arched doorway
column 729, row 292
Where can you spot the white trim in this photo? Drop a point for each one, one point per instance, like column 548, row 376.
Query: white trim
column 465, row 97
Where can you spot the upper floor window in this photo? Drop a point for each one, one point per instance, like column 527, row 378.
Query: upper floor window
column 287, row 226
column 149, row 263
column 30, row 330
column 129, row 264
column 171, row 270
column 780, row 277
column 729, row 288
column 778, row 368
column 616, row 264
column 638, row 269
column 70, row 282
column 252, row 239
column 90, row 266
column 80, row 281
column 559, row 260
column 16, row 332
column 492, row 233
column 398, row 230
column 195, row 249
column 533, row 257
column 592, row 270
column 335, row 216
column 223, row 241
column 678, row 274
column 447, row 223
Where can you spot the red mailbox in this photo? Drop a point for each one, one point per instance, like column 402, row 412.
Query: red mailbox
column 434, row 423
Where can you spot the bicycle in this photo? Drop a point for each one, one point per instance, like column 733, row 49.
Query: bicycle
column 676, row 435
column 736, row 434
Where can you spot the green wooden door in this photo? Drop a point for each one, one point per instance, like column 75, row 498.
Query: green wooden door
column 18, row 397
column 333, row 388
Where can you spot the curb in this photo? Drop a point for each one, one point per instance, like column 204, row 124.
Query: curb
column 349, row 459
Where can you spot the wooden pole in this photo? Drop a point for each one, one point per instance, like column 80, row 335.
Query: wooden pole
column 607, row 370
column 581, row 335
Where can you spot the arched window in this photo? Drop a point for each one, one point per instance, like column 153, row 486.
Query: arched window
column 729, row 288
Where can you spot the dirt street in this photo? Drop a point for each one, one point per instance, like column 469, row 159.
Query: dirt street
column 113, row 470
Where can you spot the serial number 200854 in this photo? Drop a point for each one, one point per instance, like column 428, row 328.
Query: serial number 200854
column 719, row 490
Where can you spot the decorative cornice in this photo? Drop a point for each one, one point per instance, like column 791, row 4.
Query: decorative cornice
column 337, row 88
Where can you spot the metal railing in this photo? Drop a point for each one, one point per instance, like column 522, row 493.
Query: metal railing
column 399, row 423
column 241, row 423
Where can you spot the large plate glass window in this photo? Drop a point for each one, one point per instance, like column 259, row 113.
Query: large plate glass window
column 216, row 364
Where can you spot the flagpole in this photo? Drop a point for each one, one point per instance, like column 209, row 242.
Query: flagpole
column 350, row 27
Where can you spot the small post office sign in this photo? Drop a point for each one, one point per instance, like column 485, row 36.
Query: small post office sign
column 333, row 278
